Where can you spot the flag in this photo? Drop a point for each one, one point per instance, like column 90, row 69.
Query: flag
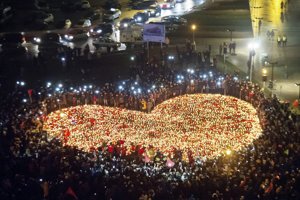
column 146, row 159
column 170, row 163
column 71, row 192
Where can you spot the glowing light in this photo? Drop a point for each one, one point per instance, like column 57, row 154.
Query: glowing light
column 48, row 84
column 264, row 71
column 173, row 122
column 193, row 27
column 228, row 152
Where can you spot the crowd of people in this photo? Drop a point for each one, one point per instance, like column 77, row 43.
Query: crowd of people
column 36, row 166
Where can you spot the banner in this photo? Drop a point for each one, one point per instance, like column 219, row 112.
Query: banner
column 154, row 33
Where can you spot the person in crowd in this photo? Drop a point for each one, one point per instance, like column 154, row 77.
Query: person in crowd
column 35, row 165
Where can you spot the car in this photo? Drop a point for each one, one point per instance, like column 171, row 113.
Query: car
column 85, row 5
column 6, row 14
column 94, row 15
column 51, row 37
column 12, row 46
column 13, row 51
column 75, row 35
column 50, row 49
column 44, row 17
column 68, row 24
column 106, row 42
column 37, row 16
column 45, row 39
column 144, row 4
column 168, row 4
column 83, row 23
column 12, row 39
column 38, row 25
column 68, row 6
column 112, row 14
column 154, row 11
column 173, row 19
column 102, row 30
column 126, row 22
column 141, row 17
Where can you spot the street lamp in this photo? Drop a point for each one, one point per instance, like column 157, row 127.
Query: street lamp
column 252, row 47
column 230, row 30
column 264, row 76
column 298, row 84
column 193, row 30
column 272, row 74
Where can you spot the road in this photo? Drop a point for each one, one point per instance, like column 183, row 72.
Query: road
column 179, row 9
column 284, row 21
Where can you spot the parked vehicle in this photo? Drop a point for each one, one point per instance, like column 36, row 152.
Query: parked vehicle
column 154, row 11
column 126, row 22
column 12, row 38
column 46, row 38
column 94, row 15
column 102, row 30
column 141, row 17
column 75, row 35
column 50, row 49
column 12, row 45
column 44, row 17
column 84, row 5
column 51, row 37
column 168, row 4
column 83, row 23
column 13, row 51
column 174, row 19
column 35, row 17
column 112, row 14
column 68, row 6
column 144, row 4
column 6, row 14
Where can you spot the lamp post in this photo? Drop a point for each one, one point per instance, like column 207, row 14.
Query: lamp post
column 298, row 84
column 264, row 77
column 272, row 74
column 230, row 30
column 252, row 47
column 193, row 27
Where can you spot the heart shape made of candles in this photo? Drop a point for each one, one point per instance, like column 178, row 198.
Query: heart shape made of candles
column 204, row 125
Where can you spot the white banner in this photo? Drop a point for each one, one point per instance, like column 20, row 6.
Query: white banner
column 154, row 33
